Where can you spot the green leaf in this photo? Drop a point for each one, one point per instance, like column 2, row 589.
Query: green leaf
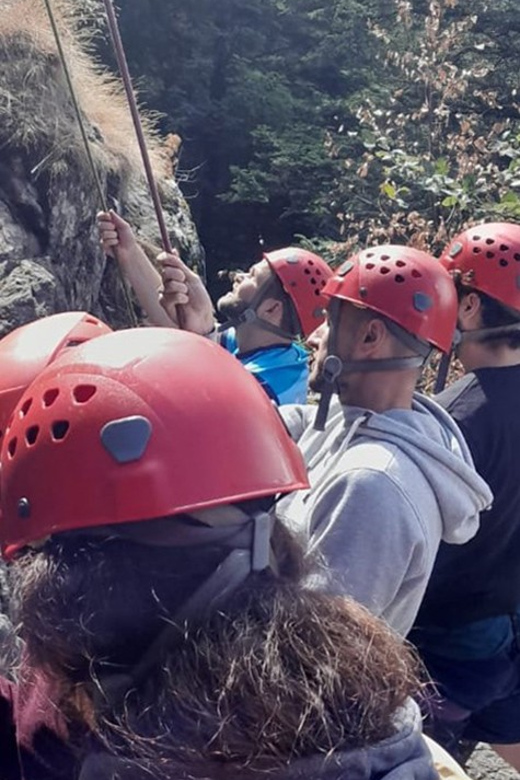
column 388, row 189
column 442, row 166
column 509, row 198
column 450, row 201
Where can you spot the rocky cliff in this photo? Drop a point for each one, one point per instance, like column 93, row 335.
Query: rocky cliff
column 50, row 259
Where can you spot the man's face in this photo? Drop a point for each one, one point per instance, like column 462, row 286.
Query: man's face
column 317, row 343
column 345, row 347
column 245, row 286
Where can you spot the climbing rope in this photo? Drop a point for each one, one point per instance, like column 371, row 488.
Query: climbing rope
column 124, row 71
column 87, row 145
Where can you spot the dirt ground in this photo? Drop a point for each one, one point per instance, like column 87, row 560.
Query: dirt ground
column 484, row 764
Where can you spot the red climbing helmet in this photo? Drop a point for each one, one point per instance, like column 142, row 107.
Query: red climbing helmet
column 27, row 350
column 488, row 258
column 137, row 425
column 404, row 284
column 303, row 276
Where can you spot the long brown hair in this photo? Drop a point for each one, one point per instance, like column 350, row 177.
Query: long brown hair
column 280, row 672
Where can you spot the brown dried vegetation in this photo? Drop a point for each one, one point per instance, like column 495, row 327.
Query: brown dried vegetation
column 32, row 79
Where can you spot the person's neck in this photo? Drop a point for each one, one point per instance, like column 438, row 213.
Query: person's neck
column 475, row 355
column 380, row 391
column 250, row 337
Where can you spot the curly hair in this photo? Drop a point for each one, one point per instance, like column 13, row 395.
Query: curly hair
column 279, row 672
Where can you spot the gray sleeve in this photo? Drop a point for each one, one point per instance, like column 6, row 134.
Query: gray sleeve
column 372, row 543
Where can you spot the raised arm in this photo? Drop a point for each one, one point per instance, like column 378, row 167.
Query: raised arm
column 118, row 240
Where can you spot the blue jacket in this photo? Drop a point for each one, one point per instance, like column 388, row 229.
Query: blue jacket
column 282, row 370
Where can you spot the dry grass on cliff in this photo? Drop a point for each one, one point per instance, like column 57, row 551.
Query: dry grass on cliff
column 36, row 113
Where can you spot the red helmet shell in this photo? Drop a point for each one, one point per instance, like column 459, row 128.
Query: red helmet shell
column 303, row 276
column 404, row 284
column 137, row 425
column 27, row 350
column 488, row 257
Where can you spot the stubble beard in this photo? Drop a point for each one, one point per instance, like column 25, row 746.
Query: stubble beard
column 230, row 306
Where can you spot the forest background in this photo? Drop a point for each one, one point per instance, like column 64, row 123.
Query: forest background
column 332, row 123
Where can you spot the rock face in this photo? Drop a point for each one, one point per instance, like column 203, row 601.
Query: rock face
column 484, row 764
column 50, row 259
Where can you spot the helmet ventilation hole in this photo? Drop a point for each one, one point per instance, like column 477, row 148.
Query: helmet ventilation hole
column 31, row 436
column 490, row 241
column 83, row 393
column 400, row 264
column 60, row 430
column 416, row 274
column 399, row 278
column 50, row 397
column 476, row 238
column 370, row 266
column 384, row 270
column 307, row 271
column 490, row 255
column 517, row 257
column 24, row 411
column 504, row 248
column 503, row 262
column 477, row 250
column 11, row 448
column 385, row 257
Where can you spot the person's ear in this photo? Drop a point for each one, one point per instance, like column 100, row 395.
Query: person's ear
column 374, row 334
column 470, row 307
column 271, row 309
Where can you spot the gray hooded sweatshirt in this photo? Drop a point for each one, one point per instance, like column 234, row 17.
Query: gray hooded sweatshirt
column 385, row 489
column 404, row 756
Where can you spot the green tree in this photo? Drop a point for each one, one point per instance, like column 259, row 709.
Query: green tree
column 255, row 88
column 444, row 147
column 335, row 119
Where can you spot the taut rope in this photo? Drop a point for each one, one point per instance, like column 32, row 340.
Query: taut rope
column 122, row 63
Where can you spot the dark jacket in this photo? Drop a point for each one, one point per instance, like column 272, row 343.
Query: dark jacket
column 481, row 579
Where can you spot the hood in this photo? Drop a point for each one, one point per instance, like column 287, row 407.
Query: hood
column 428, row 436
column 404, row 756
column 434, row 442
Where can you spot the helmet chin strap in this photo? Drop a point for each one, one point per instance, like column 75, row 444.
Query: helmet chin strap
column 469, row 335
column 251, row 552
column 480, row 333
column 250, row 315
column 334, row 367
